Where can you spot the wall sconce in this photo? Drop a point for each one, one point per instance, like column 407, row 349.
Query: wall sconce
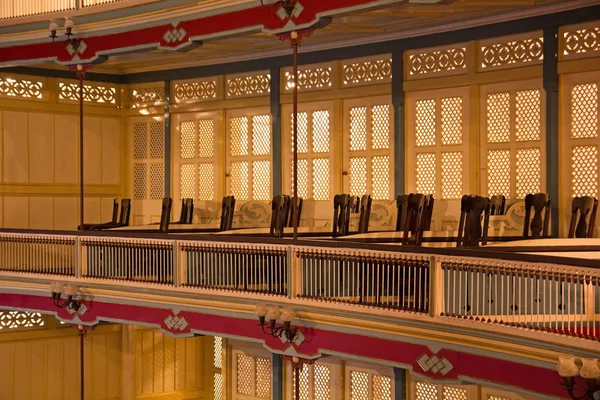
column 71, row 40
column 288, row 6
column 70, row 303
column 285, row 332
column 569, row 369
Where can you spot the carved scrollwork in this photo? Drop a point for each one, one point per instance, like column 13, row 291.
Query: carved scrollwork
column 91, row 93
column 190, row 91
column 581, row 41
column 253, row 213
column 21, row 88
column 438, row 61
column 249, row 85
column 375, row 71
column 147, row 96
column 513, row 52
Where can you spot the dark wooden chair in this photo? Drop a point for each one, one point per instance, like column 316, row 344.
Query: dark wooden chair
column 536, row 227
column 227, row 209
column 498, row 204
column 115, row 215
column 341, row 215
column 583, row 217
column 413, row 224
column 401, row 205
column 428, row 212
column 187, row 212
column 470, row 231
column 365, row 214
column 165, row 214
column 279, row 207
column 290, row 211
column 123, row 217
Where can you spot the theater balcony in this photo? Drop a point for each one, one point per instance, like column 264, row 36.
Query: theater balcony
column 299, row 199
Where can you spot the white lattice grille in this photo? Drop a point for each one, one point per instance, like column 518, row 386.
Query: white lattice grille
column 302, row 177
column 20, row 319
column 380, row 119
column 140, row 180
column 380, row 187
column 453, row 393
column 261, row 185
column 206, row 187
column 218, row 352
column 140, row 140
column 157, row 141
column 261, row 135
column 263, row 378
column 358, row 128
column 187, row 143
column 584, row 111
column 359, row 385
column 303, row 378
column 512, row 53
column 451, row 120
column 239, row 178
column 426, row 391
column 581, row 41
column 367, row 72
column 157, row 181
column 320, row 134
column 302, row 132
column 21, row 88
column 244, row 374
column 425, row 173
column 187, row 181
column 425, row 122
column 498, row 118
column 320, row 178
column 98, row 94
column 239, row 138
column 528, row 171
column 321, row 382
column 201, row 90
column 494, row 397
column 528, row 115
column 452, row 173
column 218, row 386
column 206, row 137
column 309, row 79
column 498, row 172
column 438, row 61
column 584, row 171
column 382, row 387
column 358, row 176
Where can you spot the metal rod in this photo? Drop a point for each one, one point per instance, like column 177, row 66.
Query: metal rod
column 295, row 140
column 81, row 361
column 297, row 366
column 80, row 74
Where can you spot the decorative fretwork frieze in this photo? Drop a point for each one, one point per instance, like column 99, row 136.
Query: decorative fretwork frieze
column 21, row 88
column 449, row 61
column 310, row 78
column 257, row 84
column 10, row 320
column 197, row 90
column 510, row 52
column 147, row 96
column 366, row 72
column 92, row 93
column 580, row 41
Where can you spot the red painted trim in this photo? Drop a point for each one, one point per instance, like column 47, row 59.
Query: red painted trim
column 199, row 28
column 527, row 377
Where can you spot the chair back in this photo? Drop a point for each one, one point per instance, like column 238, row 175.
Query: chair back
column 115, row 213
column 290, row 211
column 365, row 214
column 538, row 225
column 415, row 208
column 183, row 213
column 279, row 206
column 341, row 215
column 189, row 207
column 428, row 212
column 401, row 204
column 583, row 217
column 125, row 212
column 497, row 204
column 227, row 209
column 470, row 231
column 165, row 214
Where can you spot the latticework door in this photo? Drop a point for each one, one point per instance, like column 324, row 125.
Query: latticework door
column 251, row 376
column 432, row 391
column 315, row 161
column 368, row 384
column 513, row 139
column 148, row 173
column 318, row 381
column 438, row 150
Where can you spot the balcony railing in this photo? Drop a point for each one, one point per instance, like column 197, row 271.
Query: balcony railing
column 552, row 294
column 30, row 8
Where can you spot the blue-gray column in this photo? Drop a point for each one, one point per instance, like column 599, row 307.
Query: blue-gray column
column 167, row 157
column 399, row 134
column 551, row 89
column 277, row 371
column 275, row 99
column 399, row 384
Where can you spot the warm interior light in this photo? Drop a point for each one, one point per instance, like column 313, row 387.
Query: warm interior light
column 287, row 315
column 71, row 290
column 567, row 367
column 69, row 23
column 273, row 313
column 589, row 368
column 261, row 310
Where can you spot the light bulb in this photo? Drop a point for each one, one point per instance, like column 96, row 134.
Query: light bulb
column 287, row 315
column 567, row 367
column 589, row 369
column 69, row 23
column 60, row 287
column 71, row 290
column 53, row 26
column 294, row 35
column 261, row 310
column 273, row 313
column 79, row 67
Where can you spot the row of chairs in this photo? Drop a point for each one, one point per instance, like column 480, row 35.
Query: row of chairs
column 282, row 214
column 343, row 206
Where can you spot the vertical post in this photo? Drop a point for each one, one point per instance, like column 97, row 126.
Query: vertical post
column 80, row 75
column 399, row 134
column 128, row 362
column 550, row 68
column 81, row 331
column 295, row 42
column 277, row 378
column 167, row 123
column 296, row 367
column 399, row 384
column 275, row 100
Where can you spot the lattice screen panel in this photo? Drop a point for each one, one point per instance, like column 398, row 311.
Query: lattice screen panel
column 261, row 185
column 528, row 171
column 261, row 135
column 157, row 142
column 217, row 368
column 218, row 352
column 302, row 177
column 304, row 382
column 452, row 120
column 157, row 181
column 365, row 72
column 187, row 142
column 244, row 370
column 21, row 88
column 206, row 187
column 380, row 180
column 302, row 132
column 359, row 385
column 493, row 397
column 454, row 393
column 240, row 179
column 584, row 111
column 452, row 175
column 206, row 137
column 358, row 128
column 263, row 378
column 425, row 122
column 99, row 94
column 239, row 136
column 584, row 171
column 358, row 176
column 320, row 178
column 426, row 391
column 321, row 382
column 380, row 120
column 140, row 140
column 498, row 118
column 382, row 387
column 498, row 172
column 426, row 173
column 218, row 386
column 10, row 320
column 187, row 181
column 528, row 115
column 140, row 180
column 582, row 40
column 320, row 133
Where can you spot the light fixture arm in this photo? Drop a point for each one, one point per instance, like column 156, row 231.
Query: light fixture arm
column 288, row 5
column 592, row 388
column 271, row 329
